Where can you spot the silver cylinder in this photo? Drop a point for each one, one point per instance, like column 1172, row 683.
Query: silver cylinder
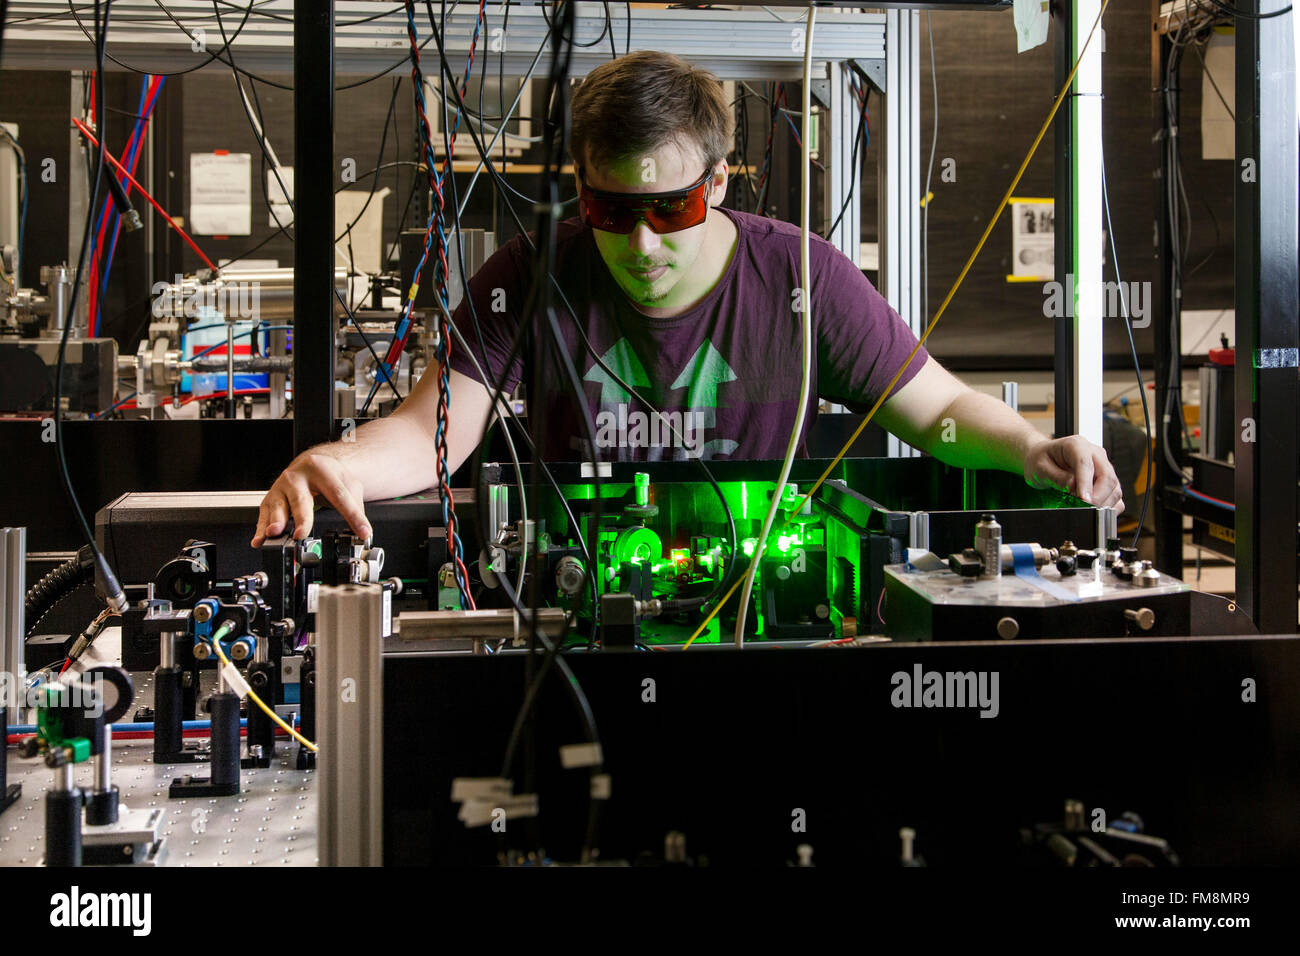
column 1107, row 522
column 104, row 762
column 58, row 283
column 167, row 650
column 988, row 542
column 1011, row 394
column 13, row 593
column 63, row 778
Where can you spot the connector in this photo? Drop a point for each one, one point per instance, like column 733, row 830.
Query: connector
column 107, row 586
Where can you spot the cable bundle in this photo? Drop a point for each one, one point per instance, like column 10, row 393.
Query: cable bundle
column 110, row 219
column 436, row 225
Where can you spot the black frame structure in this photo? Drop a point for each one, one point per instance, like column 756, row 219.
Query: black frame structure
column 1268, row 324
column 1266, row 239
column 315, row 323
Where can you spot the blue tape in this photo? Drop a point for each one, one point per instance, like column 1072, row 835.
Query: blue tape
column 1022, row 562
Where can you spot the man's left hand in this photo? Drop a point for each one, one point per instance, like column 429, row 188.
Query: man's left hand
column 1076, row 465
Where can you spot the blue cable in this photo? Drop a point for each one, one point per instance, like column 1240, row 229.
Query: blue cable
column 1208, row 500
column 136, row 728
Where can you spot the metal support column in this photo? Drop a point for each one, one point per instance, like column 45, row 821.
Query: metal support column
column 841, row 183
column 1266, row 302
column 315, row 324
column 900, row 179
column 349, row 725
column 1166, row 334
column 1078, row 365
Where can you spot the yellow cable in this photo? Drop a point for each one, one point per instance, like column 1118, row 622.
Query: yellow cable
column 216, row 646
column 988, row 230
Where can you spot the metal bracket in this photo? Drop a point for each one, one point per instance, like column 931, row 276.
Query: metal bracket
column 820, row 91
column 873, row 70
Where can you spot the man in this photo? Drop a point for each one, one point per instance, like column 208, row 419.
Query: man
column 692, row 306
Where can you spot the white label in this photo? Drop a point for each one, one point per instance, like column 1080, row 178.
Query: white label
column 276, row 197
column 579, row 755
column 313, row 595
column 386, row 623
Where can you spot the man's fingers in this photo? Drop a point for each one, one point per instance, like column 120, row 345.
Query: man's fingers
column 1049, row 472
column 1107, row 492
column 1083, row 475
column 300, row 501
column 271, row 516
column 348, row 505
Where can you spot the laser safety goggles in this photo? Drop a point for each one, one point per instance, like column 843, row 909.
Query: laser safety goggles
column 662, row 212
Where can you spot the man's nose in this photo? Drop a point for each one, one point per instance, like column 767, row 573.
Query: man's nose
column 643, row 240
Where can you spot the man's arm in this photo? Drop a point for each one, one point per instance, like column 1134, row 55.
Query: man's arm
column 985, row 433
column 387, row 457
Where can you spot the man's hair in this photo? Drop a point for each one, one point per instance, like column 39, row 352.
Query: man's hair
column 643, row 101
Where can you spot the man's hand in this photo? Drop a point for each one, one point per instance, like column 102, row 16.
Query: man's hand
column 311, row 473
column 1076, row 465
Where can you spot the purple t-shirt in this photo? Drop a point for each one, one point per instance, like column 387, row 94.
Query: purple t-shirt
column 725, row 374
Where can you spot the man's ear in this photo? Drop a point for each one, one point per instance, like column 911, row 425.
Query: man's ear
column 718, row 191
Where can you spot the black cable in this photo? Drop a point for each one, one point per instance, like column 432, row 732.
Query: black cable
column 211, row 56
column 573, row 315
column 260, row 137
column 586, row 342
column 42, row 596
column 1149, row 452
column 858, row 140
column 112, row 588
column 557, row 100
column 374, row 183
column 361, row 332
column 556, row 130
column 1233, row 11
column 609, row 27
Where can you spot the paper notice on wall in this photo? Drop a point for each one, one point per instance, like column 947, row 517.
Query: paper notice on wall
column 1031, row 19
column 221, row 194
column 364, row 212
column 1033, row 240
column 280, row 216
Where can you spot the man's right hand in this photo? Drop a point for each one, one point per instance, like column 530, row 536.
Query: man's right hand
column 311, row 473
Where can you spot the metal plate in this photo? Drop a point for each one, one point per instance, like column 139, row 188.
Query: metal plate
column 1095, row 584
column 272, row 821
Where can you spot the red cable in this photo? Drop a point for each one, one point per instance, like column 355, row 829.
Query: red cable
column 195, row 398
column 145, row 193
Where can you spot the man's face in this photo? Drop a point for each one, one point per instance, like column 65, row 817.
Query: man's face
column 656, row 270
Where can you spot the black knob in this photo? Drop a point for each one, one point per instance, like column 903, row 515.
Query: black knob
column 1066, row 565
column 1128, row 555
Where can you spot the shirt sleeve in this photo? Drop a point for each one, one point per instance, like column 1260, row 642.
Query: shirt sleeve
column 497, row 292
column 861, row 341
